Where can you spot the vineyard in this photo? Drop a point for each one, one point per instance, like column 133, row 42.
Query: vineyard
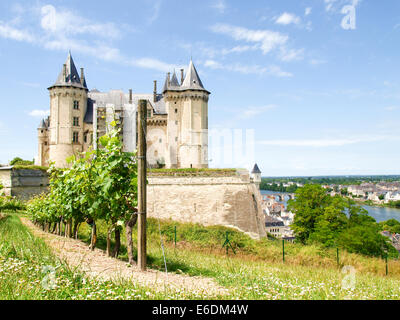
column 69, row 244
column 99, row 185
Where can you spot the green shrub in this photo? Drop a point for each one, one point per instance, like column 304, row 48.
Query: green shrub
column 11, row 204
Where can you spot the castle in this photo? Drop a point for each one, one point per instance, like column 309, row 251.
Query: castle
column 177, row 119
column 177, row 137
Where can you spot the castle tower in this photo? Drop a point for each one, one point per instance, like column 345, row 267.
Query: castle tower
column 43, row 143
column 187, row 130
column 256, row 175
column 68, row 104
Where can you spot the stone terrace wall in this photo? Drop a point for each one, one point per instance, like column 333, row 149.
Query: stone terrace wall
column 23, row 183
column 229, row 200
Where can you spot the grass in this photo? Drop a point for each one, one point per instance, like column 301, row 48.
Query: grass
column 30, row 167
column 26, row 263
column 209, row 240
column 8, row 203
column 256, row 272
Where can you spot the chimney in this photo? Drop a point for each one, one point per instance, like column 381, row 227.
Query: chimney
column 155, row 91
column 182, row 77
column 82, row 76
column 130, row 96
column 65, row 72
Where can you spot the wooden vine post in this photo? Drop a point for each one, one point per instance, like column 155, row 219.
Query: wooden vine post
column 141, row 154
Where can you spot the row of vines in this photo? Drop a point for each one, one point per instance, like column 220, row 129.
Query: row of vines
column 98, row 185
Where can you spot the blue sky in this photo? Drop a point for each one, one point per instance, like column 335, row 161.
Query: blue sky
column 320, row 89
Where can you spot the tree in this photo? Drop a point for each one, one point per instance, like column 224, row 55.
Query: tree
column 20, row 161
column 331, row 223
column 308, row 205
column 336, row 221
column 391, row 225
column 366, row 240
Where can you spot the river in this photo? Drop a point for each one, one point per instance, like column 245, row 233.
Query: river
column 378, row 213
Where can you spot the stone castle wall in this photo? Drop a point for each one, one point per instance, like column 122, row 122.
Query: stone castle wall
column 231, row 201
column 23, row 183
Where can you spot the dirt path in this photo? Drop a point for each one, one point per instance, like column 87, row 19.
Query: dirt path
column 97, row 264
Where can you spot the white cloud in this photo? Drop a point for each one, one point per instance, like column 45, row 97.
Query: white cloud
column 156, row 12
column 39, row 113
column 277, row 71
column 61, row 30
column 248, row 69
column 287, row 18
column 332, row 6
column 219, row 5
column 238, row 49
column 9, row 32
column 329, row 4
column 307, row 11
column 57, row 21
column 268, row 40
column 251, row 112
column 392, row 108
column 150, row 63
column 316, row 62
column 291, row 54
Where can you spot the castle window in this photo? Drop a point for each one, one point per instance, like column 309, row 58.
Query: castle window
column 76, row 105
column 76, row 121
column 176, row 138
column 160, row 140
column 85, row 137
column 75, row 136
column 176, row 122
column 176, row 110
column 148, row 113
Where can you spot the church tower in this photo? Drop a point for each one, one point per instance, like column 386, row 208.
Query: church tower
column 68, row 104
column 187, row 129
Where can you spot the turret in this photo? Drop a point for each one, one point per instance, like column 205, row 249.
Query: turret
column 43, row 145
column 256, row 175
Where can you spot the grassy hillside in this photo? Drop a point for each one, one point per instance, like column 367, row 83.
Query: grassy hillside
column 255, row 272
column 193, row 237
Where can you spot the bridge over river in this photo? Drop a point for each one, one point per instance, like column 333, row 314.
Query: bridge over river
column 281, row 197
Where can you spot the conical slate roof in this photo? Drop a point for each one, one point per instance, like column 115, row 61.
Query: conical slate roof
column 191, row 82
column 256, row 169
column 71, row 77
column 42, row 124
column 174, row 81
column 166, row 83
column 192, row 79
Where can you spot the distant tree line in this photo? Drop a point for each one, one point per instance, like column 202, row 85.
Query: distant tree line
column 337, row 180
column 277, row 187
